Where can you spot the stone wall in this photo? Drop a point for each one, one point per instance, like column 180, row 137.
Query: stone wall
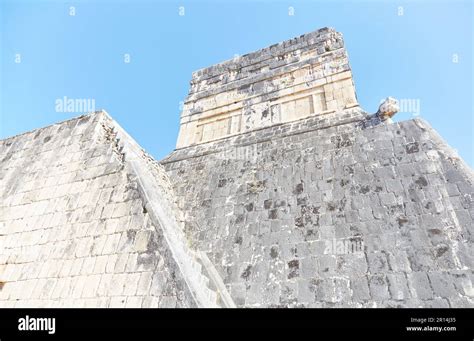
column 327, row 213
column 301, row 77
column 75, row 230
column 289, row 193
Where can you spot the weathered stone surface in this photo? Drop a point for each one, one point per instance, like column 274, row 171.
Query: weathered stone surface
column 333, row 180
column 75, row 228
column 327, row 190
column 305, row 76
column 324, row 208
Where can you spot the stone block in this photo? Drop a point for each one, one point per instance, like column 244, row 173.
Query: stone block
column 420, row 285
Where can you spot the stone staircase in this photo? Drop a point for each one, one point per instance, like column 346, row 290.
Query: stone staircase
column 159, row 200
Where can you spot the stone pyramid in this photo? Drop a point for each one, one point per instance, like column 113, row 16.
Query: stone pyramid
column 88, row 219
column 281, row 192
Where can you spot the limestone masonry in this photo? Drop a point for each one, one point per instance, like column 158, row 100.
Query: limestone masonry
column 282, row 192
column 305, row 76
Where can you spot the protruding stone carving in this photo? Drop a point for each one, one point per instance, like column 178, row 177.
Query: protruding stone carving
column 387, row 109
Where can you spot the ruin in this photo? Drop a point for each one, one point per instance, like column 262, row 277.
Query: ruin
column 281, row 192
column 305, row 76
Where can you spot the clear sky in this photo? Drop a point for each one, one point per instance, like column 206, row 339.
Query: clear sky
column 418, row 51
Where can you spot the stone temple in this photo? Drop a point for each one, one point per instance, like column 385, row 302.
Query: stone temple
column 281, row 192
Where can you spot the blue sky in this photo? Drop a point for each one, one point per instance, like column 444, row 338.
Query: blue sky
column 423, row 55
